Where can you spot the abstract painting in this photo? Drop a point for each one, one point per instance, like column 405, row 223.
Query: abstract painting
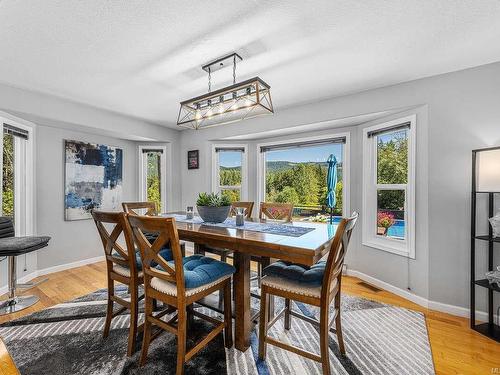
column 93, row 179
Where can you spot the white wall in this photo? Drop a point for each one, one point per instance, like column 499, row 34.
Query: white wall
column 462, row 114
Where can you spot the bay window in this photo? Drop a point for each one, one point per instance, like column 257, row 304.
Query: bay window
column 389, row 186
column 229, row 171
column 294, row 171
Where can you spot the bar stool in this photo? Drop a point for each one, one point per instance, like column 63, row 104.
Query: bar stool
column 11, row 247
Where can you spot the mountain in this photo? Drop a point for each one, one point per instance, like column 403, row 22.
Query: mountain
column 281, row 165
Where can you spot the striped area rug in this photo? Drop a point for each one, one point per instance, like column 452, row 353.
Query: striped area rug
column 67, row 339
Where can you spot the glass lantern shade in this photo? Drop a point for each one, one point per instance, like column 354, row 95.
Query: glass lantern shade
column 237, row 102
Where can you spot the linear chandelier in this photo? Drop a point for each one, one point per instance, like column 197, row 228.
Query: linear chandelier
column 236, row 102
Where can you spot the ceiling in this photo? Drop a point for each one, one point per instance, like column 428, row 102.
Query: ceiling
column 140, row 58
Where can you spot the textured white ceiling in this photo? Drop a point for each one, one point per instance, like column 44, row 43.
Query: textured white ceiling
column 141, row 58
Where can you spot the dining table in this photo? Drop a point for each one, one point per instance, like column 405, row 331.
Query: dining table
column 306, row 248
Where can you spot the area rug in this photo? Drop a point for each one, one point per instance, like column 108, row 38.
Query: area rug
column 67, row 339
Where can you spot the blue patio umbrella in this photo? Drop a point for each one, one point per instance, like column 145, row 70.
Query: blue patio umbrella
column 331, row 183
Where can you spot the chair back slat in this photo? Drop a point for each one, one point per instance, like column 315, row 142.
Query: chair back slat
column 276, row 211
column 124, row 255
column 248, row 206
column 337, row 252
column 134, row 207
column 166, row 231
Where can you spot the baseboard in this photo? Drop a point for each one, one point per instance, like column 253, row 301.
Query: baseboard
column 424, row 302
column 68, row 266
column 61, row 267
column 390, row 288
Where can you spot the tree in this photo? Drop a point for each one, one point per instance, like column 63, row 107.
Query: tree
column 288, row 195
column 8, row 176
column 392, row 168
column 154, row 178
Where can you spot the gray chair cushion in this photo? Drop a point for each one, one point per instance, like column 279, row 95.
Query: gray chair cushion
column 12, row 246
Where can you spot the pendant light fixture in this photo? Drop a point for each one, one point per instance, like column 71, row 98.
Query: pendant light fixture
column 236, row 102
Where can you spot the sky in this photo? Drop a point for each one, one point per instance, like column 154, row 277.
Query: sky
column 304, row 154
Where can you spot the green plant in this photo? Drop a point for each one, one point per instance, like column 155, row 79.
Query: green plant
column 213, row 200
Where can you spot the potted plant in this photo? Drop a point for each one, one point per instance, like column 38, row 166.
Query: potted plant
column 385, row 220
column 213, row 208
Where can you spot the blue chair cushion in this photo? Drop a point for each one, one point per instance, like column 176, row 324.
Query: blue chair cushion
column 200, row 270
column 309, row 276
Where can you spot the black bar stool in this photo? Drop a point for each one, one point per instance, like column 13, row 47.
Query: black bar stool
column 11, row 247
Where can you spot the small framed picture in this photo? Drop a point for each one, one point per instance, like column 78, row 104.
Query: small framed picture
column 193, row 159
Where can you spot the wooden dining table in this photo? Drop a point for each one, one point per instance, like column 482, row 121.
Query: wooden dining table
column 306, row 249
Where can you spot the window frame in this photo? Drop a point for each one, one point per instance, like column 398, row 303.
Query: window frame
column 404, row 247
column 25, row 210
column 261, row 166
column 216, row 187
column 166, row 200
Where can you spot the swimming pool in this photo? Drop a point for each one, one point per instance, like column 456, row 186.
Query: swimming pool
column 396, row 231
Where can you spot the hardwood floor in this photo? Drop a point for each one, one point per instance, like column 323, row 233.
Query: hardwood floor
column 456, row 349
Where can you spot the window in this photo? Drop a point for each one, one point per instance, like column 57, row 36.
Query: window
column 17, row 177
column 295, row 172
column 153, row 175
column 229, row 171
column 389, row 186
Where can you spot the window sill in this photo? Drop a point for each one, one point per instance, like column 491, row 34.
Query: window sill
column 388, row 246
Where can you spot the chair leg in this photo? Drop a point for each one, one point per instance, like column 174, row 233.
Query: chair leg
column 228, row 316
column 338, row 325
column 132, row 333
column 190, row 317
column 223, row 258
column 324, row 338
column 181, row 340
column 264, row 301
column 288, row 317
column 109, row 310
column 147, row 331
column 259, row 273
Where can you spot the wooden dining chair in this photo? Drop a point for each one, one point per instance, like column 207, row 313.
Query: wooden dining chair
column 248, row 206
column 317, row 285
column 122, row 267
column 179, row 284
column 148, row 209
column 281, row 212
column 276, row 211
column 226, row 254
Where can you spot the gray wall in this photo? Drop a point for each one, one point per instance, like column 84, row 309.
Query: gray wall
column 462, row 114
column 71, row 240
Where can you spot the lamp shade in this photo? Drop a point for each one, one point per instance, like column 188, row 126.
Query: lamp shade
column 488, row 170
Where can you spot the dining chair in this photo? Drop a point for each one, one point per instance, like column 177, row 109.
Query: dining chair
column 247, row 206
column 179, row 283
column 225, row 254
column 317, row 285
column 281, row 212
column 123, row 266
column 148, row 209
column 276, row 211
